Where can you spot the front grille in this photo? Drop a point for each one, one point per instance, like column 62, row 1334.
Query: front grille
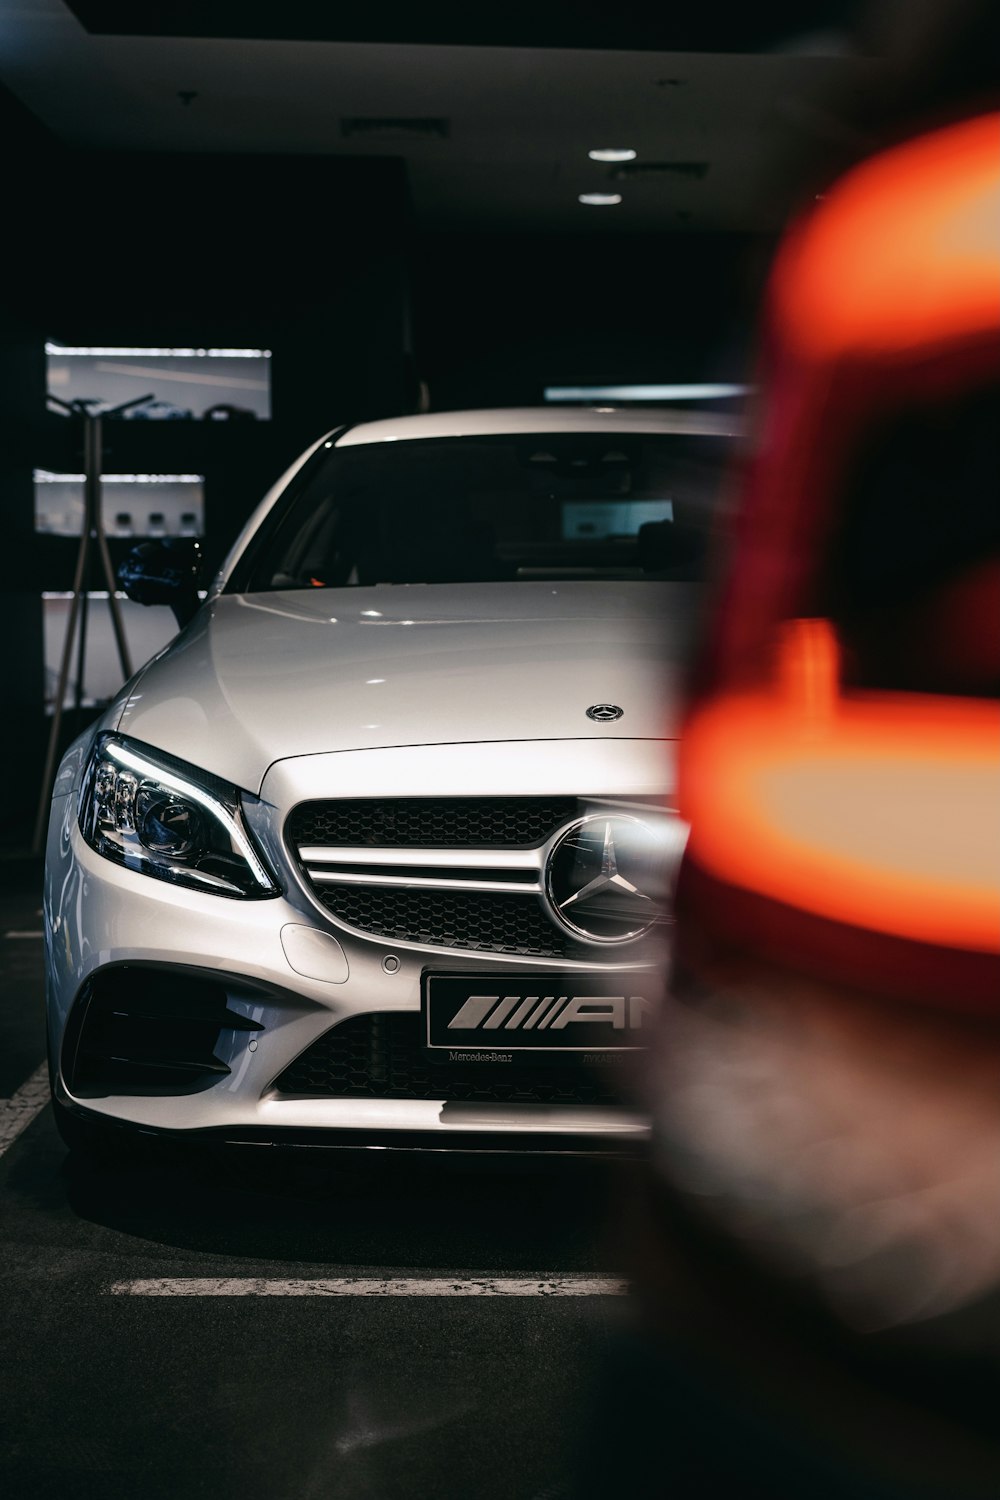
column 381, row 1056
column 461, row 873
column 451, row 919
column 431, row 822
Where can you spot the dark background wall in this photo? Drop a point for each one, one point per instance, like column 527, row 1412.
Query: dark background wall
column 497, row 317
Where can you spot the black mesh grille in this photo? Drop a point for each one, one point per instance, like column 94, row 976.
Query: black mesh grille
column 451, row 919
column 431, row 822
column 382, row 1057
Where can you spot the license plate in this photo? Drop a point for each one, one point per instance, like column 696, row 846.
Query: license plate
column 483, row 1018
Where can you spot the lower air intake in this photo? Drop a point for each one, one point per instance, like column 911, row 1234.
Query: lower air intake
column 381, row 1056
column 148, row 1031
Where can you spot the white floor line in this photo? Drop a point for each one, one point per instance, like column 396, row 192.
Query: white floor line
column 17, row 933
column 17, row 1113
column 366, row 1286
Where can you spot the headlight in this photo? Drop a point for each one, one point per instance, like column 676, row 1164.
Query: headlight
column 149, row 812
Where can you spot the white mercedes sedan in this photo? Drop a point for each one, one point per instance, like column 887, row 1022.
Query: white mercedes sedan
column 378, row 850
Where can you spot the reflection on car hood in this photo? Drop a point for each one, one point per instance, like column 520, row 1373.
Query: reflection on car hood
column 260, row 677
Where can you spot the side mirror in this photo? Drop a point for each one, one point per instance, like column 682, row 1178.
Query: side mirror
column 166, row 572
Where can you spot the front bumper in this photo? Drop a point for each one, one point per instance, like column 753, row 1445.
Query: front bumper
column 101, row 919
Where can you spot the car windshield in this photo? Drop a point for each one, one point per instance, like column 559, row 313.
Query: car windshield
column 517, row 506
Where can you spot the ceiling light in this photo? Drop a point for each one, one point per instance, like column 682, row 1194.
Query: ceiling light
column 599, row 200
column 95, row 351
column 613, row 153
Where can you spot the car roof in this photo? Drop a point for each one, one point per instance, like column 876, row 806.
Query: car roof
column 542, row 419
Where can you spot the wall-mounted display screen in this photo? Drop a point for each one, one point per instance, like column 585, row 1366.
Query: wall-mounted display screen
column 161, row 385
column 131, row 504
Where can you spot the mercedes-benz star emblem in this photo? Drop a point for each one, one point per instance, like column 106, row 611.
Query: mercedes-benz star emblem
column 604, row 878
column 604, row 713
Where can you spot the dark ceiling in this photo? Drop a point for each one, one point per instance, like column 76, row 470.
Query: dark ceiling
column 628, row 25
column 492, row 109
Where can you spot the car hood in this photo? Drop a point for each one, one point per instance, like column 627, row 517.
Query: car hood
column 257, row 678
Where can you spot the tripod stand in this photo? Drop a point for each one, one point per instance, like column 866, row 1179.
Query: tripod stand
column 92, row 533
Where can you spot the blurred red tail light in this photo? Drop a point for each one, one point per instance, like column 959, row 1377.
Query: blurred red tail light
column 836, row 823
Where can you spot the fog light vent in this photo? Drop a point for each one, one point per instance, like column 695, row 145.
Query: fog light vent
column 148, row 1031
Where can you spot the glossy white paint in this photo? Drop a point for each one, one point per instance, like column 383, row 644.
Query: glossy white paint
column 261, row 678
column 313, row 954
column 586, row 767
column 540, row 419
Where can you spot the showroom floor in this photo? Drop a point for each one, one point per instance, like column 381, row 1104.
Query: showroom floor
column 254, row 1331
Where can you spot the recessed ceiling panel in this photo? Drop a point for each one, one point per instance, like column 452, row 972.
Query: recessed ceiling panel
column 630, row 25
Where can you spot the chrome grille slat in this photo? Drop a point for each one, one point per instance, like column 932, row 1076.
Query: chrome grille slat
column 488, row 859
column 430, row 869
column 427, row 882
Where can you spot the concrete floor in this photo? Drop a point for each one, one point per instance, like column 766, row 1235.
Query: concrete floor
column 245, row 1396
